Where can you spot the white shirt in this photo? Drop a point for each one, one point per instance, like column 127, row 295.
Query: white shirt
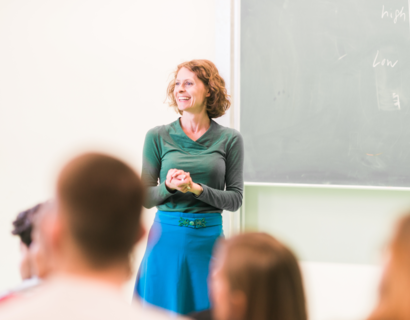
column 71, row 298
column 26, row 287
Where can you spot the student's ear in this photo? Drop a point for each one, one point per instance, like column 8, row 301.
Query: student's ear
column 54, row 229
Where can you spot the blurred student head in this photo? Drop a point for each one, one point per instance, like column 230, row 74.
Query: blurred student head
column 22, row 227
column 256, row 277
column 97, row 224
column 395, row 286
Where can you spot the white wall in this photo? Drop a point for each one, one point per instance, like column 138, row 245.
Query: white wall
column 78, row 75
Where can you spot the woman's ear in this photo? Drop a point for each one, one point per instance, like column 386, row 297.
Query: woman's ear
column 208, row 92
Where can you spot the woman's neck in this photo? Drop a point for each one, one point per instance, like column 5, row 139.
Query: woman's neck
column 195, row 123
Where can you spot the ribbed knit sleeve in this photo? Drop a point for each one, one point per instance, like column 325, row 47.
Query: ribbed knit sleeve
column 151, row 166
column 231, row 198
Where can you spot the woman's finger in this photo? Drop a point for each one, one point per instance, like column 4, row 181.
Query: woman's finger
column 170, row 172
column 188, row 179
column 180, row 183
column 178, row 173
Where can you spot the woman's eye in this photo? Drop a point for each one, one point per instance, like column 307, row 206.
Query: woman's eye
column 189, row 83
column 177, row 83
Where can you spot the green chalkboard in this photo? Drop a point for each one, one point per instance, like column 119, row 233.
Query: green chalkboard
column 325, row 91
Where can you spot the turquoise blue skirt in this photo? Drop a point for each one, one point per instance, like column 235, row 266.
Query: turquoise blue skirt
column 174, row 271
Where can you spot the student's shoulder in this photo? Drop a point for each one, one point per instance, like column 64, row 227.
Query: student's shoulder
column 11, row 309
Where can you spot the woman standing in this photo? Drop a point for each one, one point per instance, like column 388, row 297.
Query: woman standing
column 199, row 165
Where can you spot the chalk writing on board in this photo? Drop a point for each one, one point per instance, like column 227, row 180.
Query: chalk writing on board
column 396, row 100
column 396, row 15
column 383, row 62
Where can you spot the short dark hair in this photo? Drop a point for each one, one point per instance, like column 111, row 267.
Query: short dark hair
column 23, row 225
column 267, row 272
column 102, row 198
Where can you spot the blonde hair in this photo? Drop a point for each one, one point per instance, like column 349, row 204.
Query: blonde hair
column 218, row 101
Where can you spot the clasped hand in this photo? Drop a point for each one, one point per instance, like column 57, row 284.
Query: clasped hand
column 181, row 181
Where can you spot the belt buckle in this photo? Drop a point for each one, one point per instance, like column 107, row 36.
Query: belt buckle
column 195, row 223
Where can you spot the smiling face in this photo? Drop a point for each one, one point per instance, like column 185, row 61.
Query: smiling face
column 190, row 93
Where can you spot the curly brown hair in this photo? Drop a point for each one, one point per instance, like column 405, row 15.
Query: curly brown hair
column 218, row 101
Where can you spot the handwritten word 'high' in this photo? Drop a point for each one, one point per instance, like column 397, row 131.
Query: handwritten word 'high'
column 395, row 15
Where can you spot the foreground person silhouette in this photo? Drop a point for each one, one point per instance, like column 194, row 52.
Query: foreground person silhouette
column 91, row 234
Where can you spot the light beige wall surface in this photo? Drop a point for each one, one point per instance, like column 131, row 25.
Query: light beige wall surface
column 327, row 224
column 340, row 236
column 78, row 75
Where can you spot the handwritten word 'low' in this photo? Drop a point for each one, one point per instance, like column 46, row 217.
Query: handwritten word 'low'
column 395, row 15
column 383, row 62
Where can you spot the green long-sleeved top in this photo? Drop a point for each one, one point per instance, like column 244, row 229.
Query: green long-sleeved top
column 215, row 161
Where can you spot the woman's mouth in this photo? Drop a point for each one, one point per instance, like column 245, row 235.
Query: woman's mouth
column 183, row 98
